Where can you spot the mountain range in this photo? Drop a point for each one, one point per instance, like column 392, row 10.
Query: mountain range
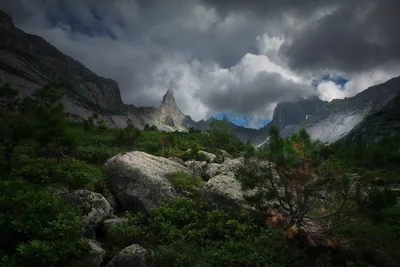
column 28, row 62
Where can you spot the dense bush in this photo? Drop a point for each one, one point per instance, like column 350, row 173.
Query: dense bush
column 70, row 172
column 96, row 155
column 184, row 232
column 186, row 184
column 38, row 228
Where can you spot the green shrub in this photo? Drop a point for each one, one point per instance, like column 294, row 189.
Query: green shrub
column 38, row 228
column 149, row 147
column 96, row 155
column 73, row 173
column 184, row 232
column 186, row 184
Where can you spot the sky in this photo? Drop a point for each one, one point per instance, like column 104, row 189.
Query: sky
column 230, row 57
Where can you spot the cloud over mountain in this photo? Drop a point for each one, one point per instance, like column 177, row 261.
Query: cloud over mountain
column 240, row 57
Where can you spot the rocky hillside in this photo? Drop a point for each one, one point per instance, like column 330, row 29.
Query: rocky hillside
column 289, row 113
column 336, row 119
column 28, row 62
column 383, row 123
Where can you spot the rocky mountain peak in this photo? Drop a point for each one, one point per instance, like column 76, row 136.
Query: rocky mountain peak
column 6, row 21
column 169, row 100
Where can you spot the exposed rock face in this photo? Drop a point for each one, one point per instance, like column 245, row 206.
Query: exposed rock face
column 132, row 256
column 210, row 157
column 224, row 191
column 383, row 123
column 335, row 120
column 212, row 170
column 138, row 180
column 231, row 166
column 96, row 254
column 289, row 113
column 197, row 168
column 93, row 207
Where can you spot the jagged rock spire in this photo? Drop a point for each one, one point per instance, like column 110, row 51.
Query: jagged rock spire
column 6, row 21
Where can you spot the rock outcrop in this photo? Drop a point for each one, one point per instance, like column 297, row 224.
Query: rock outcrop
column 93, row 207
column 224, row 191
column 138, row 180
column 96, row 254
column 336, row 119
column 132, row 256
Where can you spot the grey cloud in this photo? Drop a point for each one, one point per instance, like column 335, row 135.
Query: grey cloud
column 255, row 95
column 360, row 35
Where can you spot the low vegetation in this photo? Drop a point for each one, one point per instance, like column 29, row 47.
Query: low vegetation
column 311, row 197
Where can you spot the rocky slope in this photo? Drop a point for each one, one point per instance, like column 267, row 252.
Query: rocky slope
column 336, row 119
column 27, row 62
column 383, row 123
column 289, row 113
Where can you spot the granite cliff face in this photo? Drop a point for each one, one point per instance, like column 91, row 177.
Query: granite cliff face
column 293, row 113
column 336, row 119
column 383, row 123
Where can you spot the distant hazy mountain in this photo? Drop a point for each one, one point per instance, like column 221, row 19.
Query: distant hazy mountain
column 335, row 120
column 28, row 62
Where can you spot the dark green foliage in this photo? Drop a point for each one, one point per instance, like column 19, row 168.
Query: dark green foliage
column 50, row 122
column 16, row 123
column 150, row 128
column 129, row 136
column 186, row 184
column 73, row 173
column 194, row 130
column 38, row 228
column 183, row 232
column 220, row 136
column 96, row 155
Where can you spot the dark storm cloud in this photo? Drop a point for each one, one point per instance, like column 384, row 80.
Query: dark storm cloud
column 236, row 55
column 359, row 35
column 265, row 88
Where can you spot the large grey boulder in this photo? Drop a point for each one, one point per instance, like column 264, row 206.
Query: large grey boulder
column 93, row 207
column 213, row 169
column 138, row 180
column 209, row 156
column 232, row 165
column 196, row 168
column 224, row 191
column 132, row 256
column 96, row 254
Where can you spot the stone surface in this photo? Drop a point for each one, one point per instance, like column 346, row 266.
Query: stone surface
column 96, row 254
column 138, row 180
column 197, row 168
column 212, row 170
column 132, row 256
column 211, row 158
column 93, row 207
column 224, row 191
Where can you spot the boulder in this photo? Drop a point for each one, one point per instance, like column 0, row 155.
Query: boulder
column 96, row 254
column 232, row 165
column 93, row 207
column 132, row 256
column 111, row 222
column 177, row 160
column 138, row 180
column 212, row 170
column 197, row 168
column 224, row 191
column 209, row 156
column 110, row 198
